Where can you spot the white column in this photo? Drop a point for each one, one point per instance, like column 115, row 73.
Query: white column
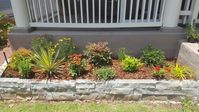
column 194, row 11
column 20, row 13
column 171, row 13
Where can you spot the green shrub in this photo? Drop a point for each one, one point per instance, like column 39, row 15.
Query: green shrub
column 152, row 56
column 131, row 64
column 5, row 25
column 46, row 62
column 191, row 32
column 18, row 56
column 25, row 68
column 182, row 72
column 105, row 73
column 76, row 65
column 98, row 53
column 66, row 46
column 44, row 42
column 122, row 52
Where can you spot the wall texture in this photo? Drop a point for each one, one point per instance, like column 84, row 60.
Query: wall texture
column 132, row 39
column 130, row 90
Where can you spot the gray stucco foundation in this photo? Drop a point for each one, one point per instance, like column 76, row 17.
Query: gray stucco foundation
column 128, row 90
column 166, row 39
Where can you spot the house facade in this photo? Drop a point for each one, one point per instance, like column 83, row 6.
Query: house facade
column 132, row 24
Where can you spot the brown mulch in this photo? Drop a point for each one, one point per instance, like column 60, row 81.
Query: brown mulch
column 143, row 73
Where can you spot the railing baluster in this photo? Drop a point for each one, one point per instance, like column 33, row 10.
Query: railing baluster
column 45, row 4
column 149, row 11
column 93, row 11
column 75, row 7
column 143, row 9
column 162, row 10
column 41, row 14
column 131, row 8
column 64, row 12
column 58, row 14
column 34, row 8
column 99, row 11
column 69, row 11
column 118, row 10
column 112, row 3
column 52, row 12
column 28, row 6
column 124, row 13
column 81, row 8
column 186, row 7
column 87, row 11
column 105, row 14
column 137, row 10
column 156, row 10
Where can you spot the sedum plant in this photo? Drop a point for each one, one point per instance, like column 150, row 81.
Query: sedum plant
column 105, row 73
column 182, row 72
column 47, row 62
column 152, row 56
column 98, row 53
column 131, row 64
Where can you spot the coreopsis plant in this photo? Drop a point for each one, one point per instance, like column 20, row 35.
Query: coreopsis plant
column 76, row 65
column 159, row 72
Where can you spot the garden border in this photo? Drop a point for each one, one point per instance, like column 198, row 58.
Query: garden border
column 127, row 90
column 119, row 89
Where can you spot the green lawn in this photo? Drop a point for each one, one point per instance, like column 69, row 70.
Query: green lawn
column 88, row 107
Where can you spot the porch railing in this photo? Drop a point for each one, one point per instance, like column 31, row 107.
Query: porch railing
column 189, row 9
column 95, row 13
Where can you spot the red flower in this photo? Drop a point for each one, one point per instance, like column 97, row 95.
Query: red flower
column 168, row 69
column 157, row 68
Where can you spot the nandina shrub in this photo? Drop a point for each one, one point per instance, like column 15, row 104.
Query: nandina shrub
column 77, row 65
column 98, row 53
column 5, row 25
column 18, row 56
column 152, row 56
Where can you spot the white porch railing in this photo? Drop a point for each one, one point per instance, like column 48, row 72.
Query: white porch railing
column 189, row 11
column 95, row 13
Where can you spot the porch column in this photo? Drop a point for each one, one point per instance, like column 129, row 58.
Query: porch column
column 171, row 13
column 20, row 13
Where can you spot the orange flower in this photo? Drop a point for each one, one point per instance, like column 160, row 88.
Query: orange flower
column 168, row 69
column 157, row 68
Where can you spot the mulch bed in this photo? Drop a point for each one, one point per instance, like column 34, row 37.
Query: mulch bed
column 143, row 73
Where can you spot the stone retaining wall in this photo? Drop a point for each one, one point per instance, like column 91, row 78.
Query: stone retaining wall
column 130, row 90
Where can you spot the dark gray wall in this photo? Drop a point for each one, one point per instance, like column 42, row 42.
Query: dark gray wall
column 165, row 39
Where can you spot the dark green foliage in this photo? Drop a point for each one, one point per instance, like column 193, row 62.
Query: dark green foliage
column 152, row 56
column 66, row 47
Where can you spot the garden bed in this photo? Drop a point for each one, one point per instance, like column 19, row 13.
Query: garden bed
column 143, row 73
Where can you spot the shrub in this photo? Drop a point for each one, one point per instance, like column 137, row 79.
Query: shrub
column 47, row 62
column 76, row 65
column 105, row 73
column 191, row 32
column 98, row 53
column 66, row 46
column 18, row 56
column 5, row 25
column 158, row 72
column 25, row 67
column 131, row 64
column 182, row 72
column 122, row 52
column 152, row 56
column 44, row 42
